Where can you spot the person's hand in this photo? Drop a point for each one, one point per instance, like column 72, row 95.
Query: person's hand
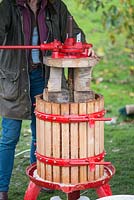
column 91, row 53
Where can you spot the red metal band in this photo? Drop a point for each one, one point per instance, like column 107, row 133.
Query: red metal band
column 91, row 161
column 91, row 118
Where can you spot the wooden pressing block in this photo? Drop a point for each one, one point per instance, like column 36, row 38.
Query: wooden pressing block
column 70, row 63
column 83, row 96
column 62, row 96
column 55, row 78
column 82, row 79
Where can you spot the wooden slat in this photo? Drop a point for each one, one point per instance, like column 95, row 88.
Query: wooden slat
column 83, row 143
column 38, row 138
column 48, row 140
column 56, row 142
column 91, row 139
column 101, row 136
column 65, row 143
column 42, row 140
column 97, row 139
column 74, row 143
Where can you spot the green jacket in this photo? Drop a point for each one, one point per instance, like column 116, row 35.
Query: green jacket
column 15, row 100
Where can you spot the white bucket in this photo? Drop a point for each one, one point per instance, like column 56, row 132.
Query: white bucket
column 55, row 198
column 118, row 197
column 83, row 198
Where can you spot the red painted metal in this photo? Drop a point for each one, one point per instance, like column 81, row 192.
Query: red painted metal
column 109, row 172
column 55, row 45
column 91, row 161
column 32, row 191
column 73, row 195
column 91, row 118
column 104, row 190
column 70, row 49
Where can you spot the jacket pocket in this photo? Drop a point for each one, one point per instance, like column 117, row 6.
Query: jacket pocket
column 9, row 85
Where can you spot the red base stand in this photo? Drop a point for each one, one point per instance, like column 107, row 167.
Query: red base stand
column 73, row 191
column 32, row 191
column 74, row 195
column 104, row 190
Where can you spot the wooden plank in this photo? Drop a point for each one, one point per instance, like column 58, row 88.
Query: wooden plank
column 48, row 140
column 42, row 140
column 56, row 142
column 83, row 96
column 56, row 97
column 70, row 63
column 65, row 143
column 74, row 143
column 91, row 139
column 83, row 143
column 101, row 135
column 38, row 139
column 97, row 139
column 54, row 83
column 82, row 79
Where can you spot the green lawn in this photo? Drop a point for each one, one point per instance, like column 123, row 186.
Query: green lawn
column 114, row 78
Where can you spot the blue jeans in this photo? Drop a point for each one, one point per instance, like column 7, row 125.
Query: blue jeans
column 11, row 129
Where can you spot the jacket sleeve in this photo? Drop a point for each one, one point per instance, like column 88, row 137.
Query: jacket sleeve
column 64, row 13
column 5, row 19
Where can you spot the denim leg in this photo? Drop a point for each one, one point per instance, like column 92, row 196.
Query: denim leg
column 37, row 82
column 10, row 136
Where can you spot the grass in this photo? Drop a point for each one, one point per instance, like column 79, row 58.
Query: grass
column 113, row 77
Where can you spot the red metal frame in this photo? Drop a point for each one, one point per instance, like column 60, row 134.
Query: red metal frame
column 91, row 118
column 91, row 161
column 102, row 187
column 70, row 49
column 32, row 191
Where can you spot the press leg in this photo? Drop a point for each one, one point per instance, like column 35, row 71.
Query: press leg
column 74, row 195
column 104, row 190
column 32, row 191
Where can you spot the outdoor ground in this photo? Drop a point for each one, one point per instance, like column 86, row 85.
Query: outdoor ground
column 114, row 78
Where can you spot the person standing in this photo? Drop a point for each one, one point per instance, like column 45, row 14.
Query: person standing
column 22, row 73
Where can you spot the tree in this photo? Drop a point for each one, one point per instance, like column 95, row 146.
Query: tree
column 117, row 17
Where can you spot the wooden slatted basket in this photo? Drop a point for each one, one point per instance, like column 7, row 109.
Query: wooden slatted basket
column 69, row 140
